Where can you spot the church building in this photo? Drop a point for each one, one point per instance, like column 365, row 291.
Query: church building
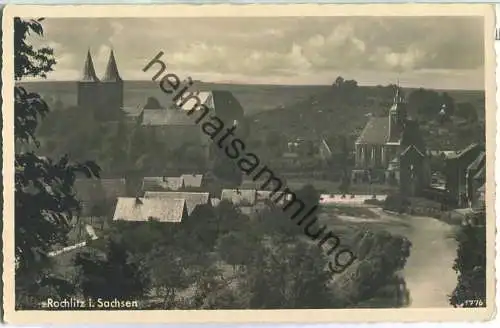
column 392, row 148
column 102, row 96
column 380, row 140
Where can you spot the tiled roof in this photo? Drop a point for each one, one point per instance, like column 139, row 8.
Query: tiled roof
column 375, row 131
column 226, row 105
column 239, row 196
column 162, row 183
column 205, row 98
column 463, row 152
column 192, row 180
column 193, row 199
column 144, row 209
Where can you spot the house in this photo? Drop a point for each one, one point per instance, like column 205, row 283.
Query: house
column 379, row 141
column 144, row 209
column 193, row 199
column 413, row 171
column 479, row 200
column 240, row 197
column 178, row 125
column 456, row 167
column 384, row 138
column 162, row 183
column 475, row 175
column 104, row 97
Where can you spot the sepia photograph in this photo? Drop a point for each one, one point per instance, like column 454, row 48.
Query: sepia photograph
column 284, row 158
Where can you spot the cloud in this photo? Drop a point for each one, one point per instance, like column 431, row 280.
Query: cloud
column 275, row 48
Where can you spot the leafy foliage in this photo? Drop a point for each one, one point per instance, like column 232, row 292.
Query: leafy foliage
column 28, row 60
column 112, row 277
column 44, row 198
column 470, row 263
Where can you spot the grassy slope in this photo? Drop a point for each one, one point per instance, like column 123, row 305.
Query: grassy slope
column 295, row 111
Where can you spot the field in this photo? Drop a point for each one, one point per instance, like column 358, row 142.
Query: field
column 254, row 98
column 306, row 112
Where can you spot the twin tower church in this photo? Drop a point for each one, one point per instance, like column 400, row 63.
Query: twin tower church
column 103, row 96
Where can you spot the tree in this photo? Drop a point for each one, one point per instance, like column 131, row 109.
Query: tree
column 226, row 169
column 44, row 200
column 466, row 111
column 309, row 195
column 288, row 275
column 344, row 164
column 426, row 103
column 111, row 277
column 339, row 81
column 166, row 266
column 236, row 247
column 449, row 103
column 470, row 264
column 274, row 141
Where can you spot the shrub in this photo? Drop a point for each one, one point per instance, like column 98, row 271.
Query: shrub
column 396, row 203
column 470, row 264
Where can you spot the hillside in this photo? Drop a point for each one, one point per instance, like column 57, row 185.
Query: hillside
column 254, row 98
column 329, row 113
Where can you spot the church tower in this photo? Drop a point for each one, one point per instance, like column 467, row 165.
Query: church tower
column 88, row 86
column 111, row 92
column 397, row 116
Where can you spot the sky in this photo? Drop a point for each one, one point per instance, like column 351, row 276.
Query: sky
column 433, row 52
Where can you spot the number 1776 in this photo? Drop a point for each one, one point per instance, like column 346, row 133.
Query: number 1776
column 473, row 303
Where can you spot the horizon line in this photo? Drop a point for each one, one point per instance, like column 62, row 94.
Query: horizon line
column 267, row 84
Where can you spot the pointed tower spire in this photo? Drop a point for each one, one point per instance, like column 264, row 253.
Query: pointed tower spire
column 111, row 74
column 88, row 70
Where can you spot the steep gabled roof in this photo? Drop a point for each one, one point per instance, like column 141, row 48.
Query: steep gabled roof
column 463, row 152
column 375, row 131
column 111, row 74
column 89, row 70
column 481, row 175
column 478, row 163
column 143, row 209
column 412, row 148
column 193, row 199
column 205, row 98
column 226, row 105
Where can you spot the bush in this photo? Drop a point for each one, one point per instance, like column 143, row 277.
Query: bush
column 395, row 203
column 380, row 256
column 470, row 265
